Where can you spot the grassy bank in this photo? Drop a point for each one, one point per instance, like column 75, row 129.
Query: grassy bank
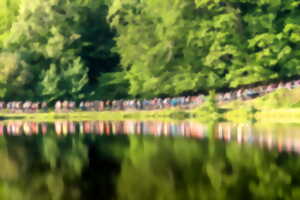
column 167, row 114
column 280, row 106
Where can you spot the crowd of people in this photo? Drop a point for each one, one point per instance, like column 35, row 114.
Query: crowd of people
column 253, row 92
column 145, row 104
column 228, row 132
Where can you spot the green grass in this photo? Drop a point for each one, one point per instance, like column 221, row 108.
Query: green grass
column 281, row 105
column 166, row 114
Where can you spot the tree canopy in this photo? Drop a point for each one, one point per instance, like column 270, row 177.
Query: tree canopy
column 133, row 48
column 196, row 45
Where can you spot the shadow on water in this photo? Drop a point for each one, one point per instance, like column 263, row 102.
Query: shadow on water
column 148, row 160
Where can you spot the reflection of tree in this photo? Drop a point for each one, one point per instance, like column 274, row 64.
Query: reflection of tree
column 51, row 168
column 159, row 168
column 42, row 167
column 91, row 167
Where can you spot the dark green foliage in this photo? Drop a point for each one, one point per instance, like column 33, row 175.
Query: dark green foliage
column 172, row 47
column 8, row 13
column 61, row 47
column 65, row 84
column 209, row 109
column 112, row 86
column 133, row 48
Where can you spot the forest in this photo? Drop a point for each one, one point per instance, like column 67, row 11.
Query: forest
column 116, row 49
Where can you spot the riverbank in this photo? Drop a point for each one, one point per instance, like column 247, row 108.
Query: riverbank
column 167, row 114
column 282, row 105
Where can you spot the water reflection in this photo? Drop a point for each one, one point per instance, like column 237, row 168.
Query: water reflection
column 133, row 160
column 280, row 137
column 270, row 136
column 155, row 128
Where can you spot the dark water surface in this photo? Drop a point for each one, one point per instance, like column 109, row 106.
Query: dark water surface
column 152, row 160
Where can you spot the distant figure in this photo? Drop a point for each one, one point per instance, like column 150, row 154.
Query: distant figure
column 27, row 106
column 19, row 106
column 81, row 105
column 261, row 90
column 72, row 106
column 227, row 96
column 36, row 106
column 44, row 106
column 9, row 106
column 280, row 85
column 219, row 97
column 233, row 95
column 297, row 83
column 289, row 85
column 65, row 106
column 87, row 105
column 107, row 105
column 58, row 106
column 2, row 105
column 101, row 106
column 251, row 93
column 271, row 87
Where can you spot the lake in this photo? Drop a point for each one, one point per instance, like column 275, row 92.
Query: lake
column 148, row 160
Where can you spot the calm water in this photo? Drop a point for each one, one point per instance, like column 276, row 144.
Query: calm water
column 135, row 160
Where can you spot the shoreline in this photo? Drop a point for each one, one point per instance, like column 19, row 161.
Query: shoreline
column 280, row 106
column 280, row 115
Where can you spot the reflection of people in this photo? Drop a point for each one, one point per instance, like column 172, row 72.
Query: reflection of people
column 27, row 128
column 227, row 135
column 166, row 129
column 269, row 141
column 72, row 127
column 17, row 128
column 101, row 127
column 58, row 127
column 81, row 130
column 279, row 145
column 196, row 130
column 224, row 131
column 288, row 144
column 107, row 128
column 297, row 145
column 65, row 127
column 239, row 133
column 44, row 128
column 114, row 128
column 1, row 129
column 220, row 131
column 159, row 128
column 86, row 127
column 35, row 127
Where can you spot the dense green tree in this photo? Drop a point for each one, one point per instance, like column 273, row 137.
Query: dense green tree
column 8, row 14
column 164, row 48
column 60, row 40
column 173, row 47
column 112, row 86
column 15, row 76
column 68, row 83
